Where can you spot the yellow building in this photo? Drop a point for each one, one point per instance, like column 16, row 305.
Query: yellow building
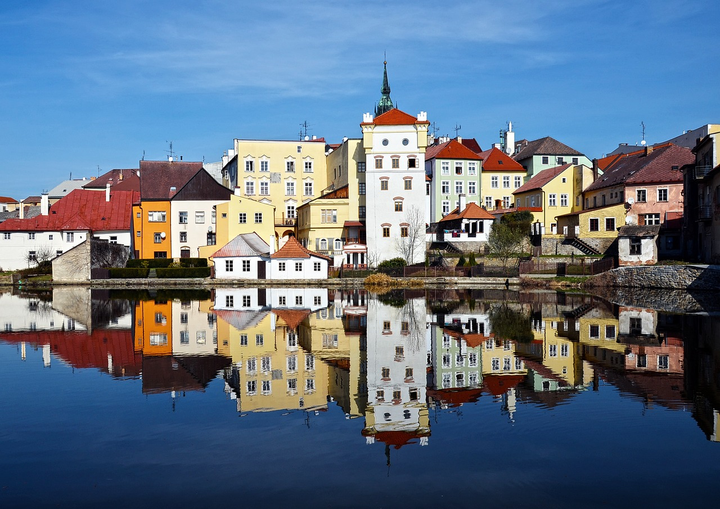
column 242, row 215
column 599, row 223
column 500, row 176
column 321, row 224
column 283, row 173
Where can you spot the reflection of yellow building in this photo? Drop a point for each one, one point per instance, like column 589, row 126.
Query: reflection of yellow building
column 597, row 331
column 153, row 327
column 270, row 370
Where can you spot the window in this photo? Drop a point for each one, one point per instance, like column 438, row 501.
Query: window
column 609, row 332
column 635, row 246
column 445, row 187
column 561, row 160
column 472, row 187
column 595, row 331
column 488, row 202
column 395, row 162
column 404, row 231
column 552, row 351
column 385, row 373
column 258, row 217
column 156, row 254
column 249, row 187
column 316, row 266
column 249, row 166
column 494, row 182
column 506, row 182
column 408, row 373
column 398, row 205
column 328, row 215
column 157, row 237
column 310, row 385
column 507, row 201
column 228, row 265
column 308, row 167
column 445, row 207
column 635, row 326
column 281, row 266
column 229, row 301
column 264, row 165
column 183, row 217
column 290, row 188
column 495, row 364
column 199, row 217
column 651, row 219
column 445, row 168
column 156, row 216
column 290, row 211
column 386, row 231
column 264, row 187
column 459, row 187
column 412, row 162
column 246, row 265
column 259, row 340
column 298, row 266
column 545, row 160
column 308, row 188
column 663, row 362
column 183, row 236
column 361, row 188
column 378, row 163
column 361, row 211
column 309, row 362
column 458, row 168
column 298, row 300
column 552, row 200
column 518, row 181
column 640, row 195
column 575, row 160
column 609, row 224
column 361, row 167
column 242, row 218
column 594, row 224
column 408, row 184
column 384, row 185
column 251, row 365
column 472, row 168
column 290, row 166
column 563, row 200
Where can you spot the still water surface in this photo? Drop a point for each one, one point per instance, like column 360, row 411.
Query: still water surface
column 318, row 398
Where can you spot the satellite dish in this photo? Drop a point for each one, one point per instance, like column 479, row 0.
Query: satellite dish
column 162, row 235
column 631, row 200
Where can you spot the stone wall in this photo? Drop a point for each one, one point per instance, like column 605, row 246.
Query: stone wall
column 552, row 246
column 690, row 277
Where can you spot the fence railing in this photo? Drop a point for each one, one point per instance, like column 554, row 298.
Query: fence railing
column 581, row 268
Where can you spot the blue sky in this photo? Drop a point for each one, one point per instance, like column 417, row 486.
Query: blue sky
column 88, row 84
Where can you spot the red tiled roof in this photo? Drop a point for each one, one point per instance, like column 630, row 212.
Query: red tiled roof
column 5, row 199
column 81, row 210
column 545, row 146
column 498, row 385
column 158, row 177
column 114, row 177
column 352, row 223
column 397, row 438
column 472, row 144
column 293, row 249
column 542, row 178
column 340, row 192
column 495, row 159
column 471, row 211
column 396, row 117
column 450, row 150
column 500, row 212
column 32, row 199
column 638, row 168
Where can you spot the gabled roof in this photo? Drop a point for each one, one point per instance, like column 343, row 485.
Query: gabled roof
column 241, row 320
column 292, row 317
column 639, row 231
column 157, row 178
column 6, row 199
column 471, row 211
column 32, row 199
column 396, row 117
column 129, row 179
column 245, row 244
column 340, row 192
column 546, row 146
column 495, row 159
column 638, row 168
column 81, row 210
column 66, row 187
column 293, row 249
column 542, row 178
column 452, row 149
column 472, row 144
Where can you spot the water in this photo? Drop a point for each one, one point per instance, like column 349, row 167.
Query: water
column 347, row 399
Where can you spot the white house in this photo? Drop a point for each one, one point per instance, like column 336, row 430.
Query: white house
column 244, row 257
column 293, row 261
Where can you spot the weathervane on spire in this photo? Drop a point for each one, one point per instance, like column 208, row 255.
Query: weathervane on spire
column 385, row 104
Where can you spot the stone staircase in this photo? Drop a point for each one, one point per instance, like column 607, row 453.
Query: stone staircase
column 582, row 246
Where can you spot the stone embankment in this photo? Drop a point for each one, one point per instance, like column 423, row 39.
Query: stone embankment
column 680, row 277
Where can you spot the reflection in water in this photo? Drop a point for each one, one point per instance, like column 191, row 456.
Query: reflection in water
column 395, row 363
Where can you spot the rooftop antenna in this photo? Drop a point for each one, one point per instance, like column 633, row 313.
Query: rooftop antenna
column 304, row 131
column 171, row 155
column 98, row 173
column 143, row 157
column 643, row 142
column 434, row 129
column 457, row 129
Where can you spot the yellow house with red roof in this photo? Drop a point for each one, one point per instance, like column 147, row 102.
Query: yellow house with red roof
column 501, row 176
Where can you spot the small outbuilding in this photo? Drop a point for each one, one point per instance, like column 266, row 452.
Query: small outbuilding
column 244, row 257
column 637, row 245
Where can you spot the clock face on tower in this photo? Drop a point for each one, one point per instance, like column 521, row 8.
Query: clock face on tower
column 385, row 142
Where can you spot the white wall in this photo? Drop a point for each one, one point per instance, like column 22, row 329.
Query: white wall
column 307, row 269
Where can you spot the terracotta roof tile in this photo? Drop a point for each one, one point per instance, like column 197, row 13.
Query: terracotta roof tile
column 542, row 178
column 127, row 177
column 471, row 211
column 495, row 159
column 472, row 144
column 293, row 249
column 396, row 117
column 450, row 150
column 545, row 146
column 5, row 199
column 292, row 317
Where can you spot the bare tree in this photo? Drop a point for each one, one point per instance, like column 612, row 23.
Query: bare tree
column 411, row 242
column 38, row 257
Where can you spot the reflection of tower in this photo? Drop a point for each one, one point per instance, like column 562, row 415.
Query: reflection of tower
column 397, row 412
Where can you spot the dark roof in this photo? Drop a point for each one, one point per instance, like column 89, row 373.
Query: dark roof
column 495, row 159
column 542, row 178
column 114, row 178
column 639, row 231
column 158, row 177
column 472, row 144
column 545, row 146
column 81, row 210
column 639, row 168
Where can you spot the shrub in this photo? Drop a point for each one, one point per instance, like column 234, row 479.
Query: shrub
column 394, row 263
column 125, row 273
column 471, row 260
column 184, row 272
column 461, row 261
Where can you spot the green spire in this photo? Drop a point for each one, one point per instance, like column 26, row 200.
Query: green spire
column 385, row 103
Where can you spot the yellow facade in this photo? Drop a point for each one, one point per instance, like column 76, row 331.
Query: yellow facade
column 321, row 223
column 342, row 167
column 490, row 195
column 152, row 235
column 153, row 327
column 231, row 222
column 282, row 173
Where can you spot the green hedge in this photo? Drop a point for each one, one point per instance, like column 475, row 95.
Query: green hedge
column 163, row 263
column 184, row 272
column 129, row 273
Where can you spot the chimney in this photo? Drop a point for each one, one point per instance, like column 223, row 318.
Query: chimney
column 459, row 139
column 22, row 210
column 44, row 204
column 237, row 191
column 595, row 169
column 648, row 150
column 107, row 191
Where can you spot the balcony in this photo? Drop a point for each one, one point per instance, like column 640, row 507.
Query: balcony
column 285, row 221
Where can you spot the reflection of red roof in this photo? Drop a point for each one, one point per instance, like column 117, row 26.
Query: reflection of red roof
column 500, row 384
column 396, row 117
column 292, row 317
column 293, row 249
column 475, row 340
column 397, row 438
column 456, row 397
column 82, row 350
